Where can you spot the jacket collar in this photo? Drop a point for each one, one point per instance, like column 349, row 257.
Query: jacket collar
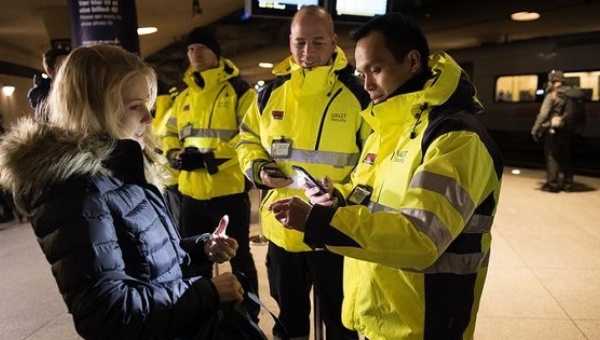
column 321, row 79
column 447, row 84
column 35, row 157
column 211, row 77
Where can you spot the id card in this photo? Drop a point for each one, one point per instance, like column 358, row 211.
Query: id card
column 281, row 148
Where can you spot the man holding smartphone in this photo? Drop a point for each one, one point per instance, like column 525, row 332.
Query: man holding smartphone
column 308, row 116
column 415, row 224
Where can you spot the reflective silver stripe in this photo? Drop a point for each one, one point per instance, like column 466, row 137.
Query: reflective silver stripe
column 424, row 221
column 376, row 207
column 428, row 223
column 479, row 224
column 447, row 187
column 211, row 133
column 246, row 128
column 337, row 159
column 245, row 142
column 461, row 264
column 172, row 121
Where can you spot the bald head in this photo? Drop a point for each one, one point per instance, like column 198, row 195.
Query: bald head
column 312, row 37
column 317, row 14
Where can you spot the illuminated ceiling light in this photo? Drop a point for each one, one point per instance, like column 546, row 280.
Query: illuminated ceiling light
column 260, row 83
column 8, row 90
column 146, row 30
column 265, row 65
column 516, row 172
column 45, row 76
column 525, row 16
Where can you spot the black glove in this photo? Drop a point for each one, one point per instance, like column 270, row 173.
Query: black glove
column 211, row 163
column 191, row 159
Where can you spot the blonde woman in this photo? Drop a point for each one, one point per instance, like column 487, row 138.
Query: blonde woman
column 88, row 181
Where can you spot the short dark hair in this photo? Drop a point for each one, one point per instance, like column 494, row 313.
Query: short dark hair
column 401, row 32
column 51, row 55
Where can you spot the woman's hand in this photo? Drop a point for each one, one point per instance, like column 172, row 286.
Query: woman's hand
column 220, row 248
column 228, row 288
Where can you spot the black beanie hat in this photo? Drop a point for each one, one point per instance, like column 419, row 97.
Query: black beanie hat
column 205, row 36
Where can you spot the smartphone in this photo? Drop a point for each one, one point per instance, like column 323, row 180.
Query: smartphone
column 274, row 172
column 310, row 180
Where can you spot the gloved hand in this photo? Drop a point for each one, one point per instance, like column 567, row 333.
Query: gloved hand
column 191, row 159
column 210, row 162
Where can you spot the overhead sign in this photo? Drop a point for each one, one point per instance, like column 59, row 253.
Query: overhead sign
column 112, row 22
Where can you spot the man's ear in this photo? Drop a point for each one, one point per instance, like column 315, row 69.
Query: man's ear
column 414, row 59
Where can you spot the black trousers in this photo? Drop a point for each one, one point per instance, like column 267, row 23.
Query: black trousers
column 173, row 199
column 291, row 276
column 203, row 217
column 558, row 153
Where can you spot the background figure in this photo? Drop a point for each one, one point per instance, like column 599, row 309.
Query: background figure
column 415, row 221
column 309, row 116
column 51, row 60
column 97, row 211
column 557, row 135
column 201, row 134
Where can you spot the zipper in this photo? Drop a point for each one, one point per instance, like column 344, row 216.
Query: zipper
column 212, row 110
column 323, row 118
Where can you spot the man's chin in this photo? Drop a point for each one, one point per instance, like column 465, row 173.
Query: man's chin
column 378, row 100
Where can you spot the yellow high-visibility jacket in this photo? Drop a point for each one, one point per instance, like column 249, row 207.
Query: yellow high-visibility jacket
column 318, row 111
column 417, row 255
column 207, row 115
column 162, row 111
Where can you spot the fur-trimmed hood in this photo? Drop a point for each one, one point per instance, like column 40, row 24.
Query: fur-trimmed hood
column 34, row 157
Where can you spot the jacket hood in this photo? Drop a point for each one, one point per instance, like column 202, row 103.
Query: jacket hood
column 34, row 157
column 448, row 86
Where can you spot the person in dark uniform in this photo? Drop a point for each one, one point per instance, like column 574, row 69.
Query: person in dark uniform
column 558, row 139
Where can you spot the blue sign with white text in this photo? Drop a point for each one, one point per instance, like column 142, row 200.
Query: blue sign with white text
column 112, row 22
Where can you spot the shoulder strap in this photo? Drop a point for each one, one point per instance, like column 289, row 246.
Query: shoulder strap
column 249, row 292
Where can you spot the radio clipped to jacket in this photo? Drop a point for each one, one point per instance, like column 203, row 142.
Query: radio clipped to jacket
column 360, row 195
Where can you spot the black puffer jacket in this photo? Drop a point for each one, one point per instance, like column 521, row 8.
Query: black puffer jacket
column 115, row 254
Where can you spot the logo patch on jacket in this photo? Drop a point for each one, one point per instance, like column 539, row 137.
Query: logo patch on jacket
column 399, row 156
column 277, row 114
column 339, row 117
column 370, row 158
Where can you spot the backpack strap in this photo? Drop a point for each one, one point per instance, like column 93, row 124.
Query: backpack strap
column 250, row 294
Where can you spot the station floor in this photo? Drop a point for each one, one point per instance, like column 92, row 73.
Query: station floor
column 543, row 281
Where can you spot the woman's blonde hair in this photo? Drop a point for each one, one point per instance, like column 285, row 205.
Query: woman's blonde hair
column 86, row 94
